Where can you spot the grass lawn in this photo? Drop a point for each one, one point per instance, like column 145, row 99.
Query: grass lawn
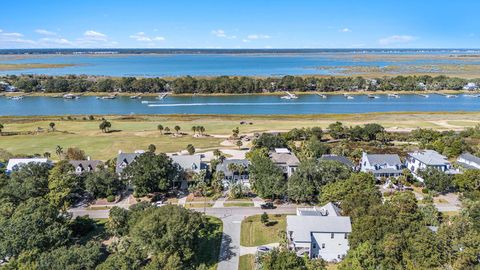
column 239, row 199
column 210, row 248
column 254, row 233
column 238, row 204
column 98, row 207
column 451, row 213
column 198, row 199
column 198, row 205
column 247, row 262
column 137, row 132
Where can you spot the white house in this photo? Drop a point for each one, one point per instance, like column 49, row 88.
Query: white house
column 469, row 161
column 425, row 159
column 234, row 176
column 470, row 86
column 381, row 165
column 319, row 233
column 15, row 163
column 286, row 160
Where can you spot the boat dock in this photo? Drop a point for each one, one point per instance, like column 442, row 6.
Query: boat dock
column 163, row 95
column 289, row 96
column 423, row 95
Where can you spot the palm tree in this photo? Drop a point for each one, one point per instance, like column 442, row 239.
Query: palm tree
column 167, row 130
column 59, row 151
column 47, row 155
column 160, row 128
column 239, row 144
column 177, row 129
column 1, row 128
column 194, row 129
column 201, row 129
column 105, row 125
column 191, row 149
column 52, row 126
column 217, row 153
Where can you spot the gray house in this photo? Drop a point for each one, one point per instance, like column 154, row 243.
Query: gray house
column 190, row 163
column 469, row 161
column 235, row 176
column 82, row 166
column 381, row 165
column 125, row 159
column 286, row 160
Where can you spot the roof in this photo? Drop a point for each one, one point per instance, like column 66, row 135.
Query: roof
column 470, row 157
column 223, row 167
column 341, row 159
column 282, row 151
column 284, row 158
column 328, row 209
column 189, row 162
column 17, row 162
column 429, row 157
column 379, row 159
column 303, row 226
column 85, row 163
column 125, row 157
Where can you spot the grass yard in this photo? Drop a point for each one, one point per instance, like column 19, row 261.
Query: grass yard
column 254, row 233
column 137, row 132
column 198, row 205
column 247, row 262
column 238, row 204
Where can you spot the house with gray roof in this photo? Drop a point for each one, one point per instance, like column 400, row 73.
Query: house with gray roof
column 190, row 163
column 342, row 159
column 381, row 165
column 319, row 233
column 234, row 171
column 15, row 164
column 82, row 166
column 426, row 159
column 125, row 159
column 285, row 159
column 469, row 161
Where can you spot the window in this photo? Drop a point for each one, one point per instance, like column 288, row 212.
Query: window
column 323, row 245
column 332, row 235
column 314, row 245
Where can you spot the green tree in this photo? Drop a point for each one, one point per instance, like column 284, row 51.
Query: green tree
column 436, row 180
column 194, row 129
column 264, row 218
column 152, row 173
column 167, row 130
column 64, row 185
column 59, row 151
column 267, row 179
column 152, row 148
column 74, row 257
column 117, row 224
column 160, row 128
column 105, row 126
column 1, row 128
column 362, row 257
column 177, row 129
column 103, row 183
column 281, row 260
column 52, row 126
column 239, row 144
column 190, row 149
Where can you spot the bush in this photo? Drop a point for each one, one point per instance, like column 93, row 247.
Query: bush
column 425, row 190
column 417, row 184
column 110, row 198
column 264, row 218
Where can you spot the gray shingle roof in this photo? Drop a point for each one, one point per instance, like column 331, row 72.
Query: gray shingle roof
column 379, row 159
column 303, row 226
column 223, row 167
column 125, row 158
column 429, row 157
column 189, row 162
column 470, row 157
column 341, row 159
column 289, row 159
column 93, row 164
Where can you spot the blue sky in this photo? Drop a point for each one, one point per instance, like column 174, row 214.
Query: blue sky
column 239, row 24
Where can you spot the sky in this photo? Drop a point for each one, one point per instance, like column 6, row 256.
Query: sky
column 239, row 24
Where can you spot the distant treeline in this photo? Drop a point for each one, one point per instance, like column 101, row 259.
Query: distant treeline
column 231, row 84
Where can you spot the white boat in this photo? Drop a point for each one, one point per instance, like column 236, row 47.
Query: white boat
column 109, row 97
column 16, row 98
column 136, row 97
column 424, row 95
column 451, row 96
column 289, row 96
column 471, row 95
column 70, row 96
column 393, row 96
column 286, row 97
column 145, row 102
column 349, row 97
column 372, row 96
column 322, row 95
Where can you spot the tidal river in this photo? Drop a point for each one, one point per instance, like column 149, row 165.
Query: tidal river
column 246, row 104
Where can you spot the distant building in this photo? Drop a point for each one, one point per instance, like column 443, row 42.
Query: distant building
column 469, row 161
column 236, row 176
column 15, row 164
column 426, row 159
column 286, row 160
column 125, row 159
column 82, row 166
column 319, row 233
column 470, row 86
column 381, row 165
column 344, row 160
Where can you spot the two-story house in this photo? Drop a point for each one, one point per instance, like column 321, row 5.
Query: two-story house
column 319, row 233
column 426, row 159
column 234, row 171
column 381, row 165
column 469, row 161
column 285, row 159
column 82, row 166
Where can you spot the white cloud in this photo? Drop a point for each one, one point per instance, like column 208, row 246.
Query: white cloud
column 345, row 30
column 246, row 40
column 94, row 35
column 55, row 41
column 256, row 36
column 45, row 32
column 12, row 35
column 396, row 39
column 221, row 34
column 142, row 37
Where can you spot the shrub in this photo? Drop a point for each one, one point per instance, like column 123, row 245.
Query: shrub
column 425, row 190
column 110, row 198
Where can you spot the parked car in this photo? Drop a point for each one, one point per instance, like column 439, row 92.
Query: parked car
column 267, row 205
column 158, row 204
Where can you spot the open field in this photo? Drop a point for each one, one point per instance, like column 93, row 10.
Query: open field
column 247, row 262
column 255, row 233
column 131, row 133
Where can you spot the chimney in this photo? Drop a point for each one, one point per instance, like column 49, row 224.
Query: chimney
column 88, row 157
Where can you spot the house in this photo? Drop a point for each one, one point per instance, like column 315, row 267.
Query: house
column 286, row 160
column 469, row 161
column 470, row 86
column 319, row 233
column 125, row 159
column 190, row 163
column 344, row 160
column 381, row 165
column 15, row 163
column 425, row 159
column 234, row 176
column 82, row 166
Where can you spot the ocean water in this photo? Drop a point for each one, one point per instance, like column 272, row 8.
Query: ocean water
column 245, row 104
